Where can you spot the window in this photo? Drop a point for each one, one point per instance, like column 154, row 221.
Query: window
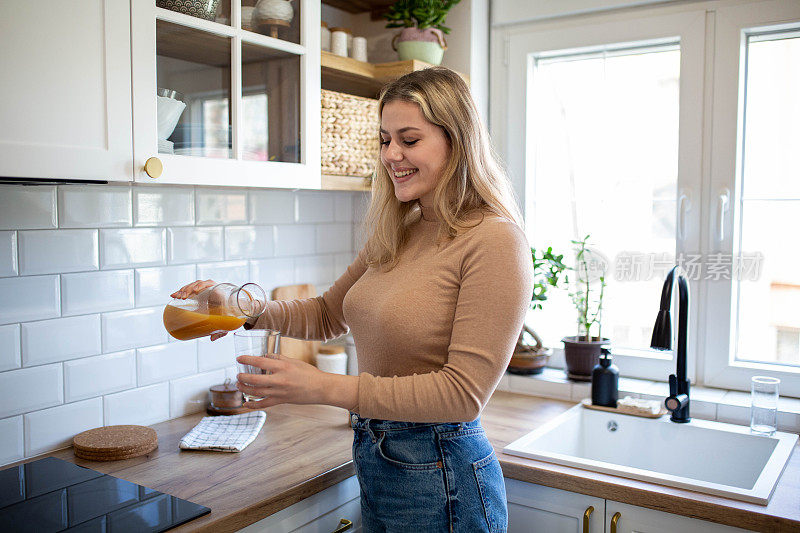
column 670, row 136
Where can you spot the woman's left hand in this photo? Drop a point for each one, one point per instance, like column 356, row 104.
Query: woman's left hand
column 291, row 381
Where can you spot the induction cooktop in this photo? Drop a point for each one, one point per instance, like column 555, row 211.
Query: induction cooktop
column 54, row 495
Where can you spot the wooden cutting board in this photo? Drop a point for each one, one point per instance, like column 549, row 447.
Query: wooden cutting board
column 298, row 349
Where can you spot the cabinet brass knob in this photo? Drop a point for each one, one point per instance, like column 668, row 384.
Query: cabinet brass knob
column 614, row 520
column 586, row 515
column 153, row 167
column 344, row 525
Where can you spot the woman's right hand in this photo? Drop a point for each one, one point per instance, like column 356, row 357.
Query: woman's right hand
column 193, row 288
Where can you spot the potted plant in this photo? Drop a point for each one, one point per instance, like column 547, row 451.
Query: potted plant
column 582, row 351
column 530, row 355
column 423, row 28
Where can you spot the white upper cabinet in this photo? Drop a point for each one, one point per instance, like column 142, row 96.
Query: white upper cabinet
column 66, row 90
column 226, row 98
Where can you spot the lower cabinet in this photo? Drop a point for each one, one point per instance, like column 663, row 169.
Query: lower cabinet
column 534, row 508
column 321, row 513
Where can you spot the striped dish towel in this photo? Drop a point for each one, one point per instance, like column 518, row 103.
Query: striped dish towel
column 224, row 433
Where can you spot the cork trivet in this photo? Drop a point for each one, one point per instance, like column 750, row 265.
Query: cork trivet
column 138, row 449
column 113, row 440
column 114, row 457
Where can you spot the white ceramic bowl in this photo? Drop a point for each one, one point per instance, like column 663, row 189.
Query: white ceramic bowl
column 169, row 112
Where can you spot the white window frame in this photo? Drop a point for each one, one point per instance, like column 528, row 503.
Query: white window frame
column 732, row 24
column 712, row 37
column 522, row 46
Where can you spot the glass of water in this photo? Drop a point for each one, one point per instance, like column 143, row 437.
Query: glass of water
column 764, row 405
column 259, row 343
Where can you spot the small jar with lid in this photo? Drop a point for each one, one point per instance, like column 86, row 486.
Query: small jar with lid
column 341, row 41
column 325, row 37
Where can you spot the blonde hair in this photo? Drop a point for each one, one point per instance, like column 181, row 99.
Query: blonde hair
column 472, row 180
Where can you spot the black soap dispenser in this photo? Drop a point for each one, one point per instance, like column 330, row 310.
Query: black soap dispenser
column 605, row 381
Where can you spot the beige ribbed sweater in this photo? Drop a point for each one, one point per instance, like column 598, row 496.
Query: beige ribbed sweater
column 435, row 333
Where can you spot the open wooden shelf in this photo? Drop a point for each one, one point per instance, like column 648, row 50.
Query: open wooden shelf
column 348, row 75
column 345, row 183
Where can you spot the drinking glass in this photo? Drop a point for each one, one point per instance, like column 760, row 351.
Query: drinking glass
column 764, row 405
column 259, row 343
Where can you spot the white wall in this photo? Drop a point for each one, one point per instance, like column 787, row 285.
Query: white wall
column 517, row 11
column 85, row 271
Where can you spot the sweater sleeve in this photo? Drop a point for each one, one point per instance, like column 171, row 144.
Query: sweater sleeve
column 319, row 318
column 495, row 291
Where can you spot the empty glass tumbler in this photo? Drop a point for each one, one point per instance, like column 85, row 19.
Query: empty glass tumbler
column 258, row 343
column 764, row 405
column 223, row 307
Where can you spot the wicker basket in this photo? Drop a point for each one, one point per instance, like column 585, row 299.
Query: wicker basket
column 350, row 124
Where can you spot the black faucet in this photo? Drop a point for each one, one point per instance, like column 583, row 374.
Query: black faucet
column 678, row 400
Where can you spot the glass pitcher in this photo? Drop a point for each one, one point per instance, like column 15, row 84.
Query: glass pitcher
column 223, row 307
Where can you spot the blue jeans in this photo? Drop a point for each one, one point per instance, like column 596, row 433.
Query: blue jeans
column 428, row 477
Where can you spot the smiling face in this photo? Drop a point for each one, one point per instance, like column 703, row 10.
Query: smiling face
column 413, row 150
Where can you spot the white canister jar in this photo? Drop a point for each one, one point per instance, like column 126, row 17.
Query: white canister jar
column 339, row 43
column 325, row 37
column 359, row 51
column 332, row 359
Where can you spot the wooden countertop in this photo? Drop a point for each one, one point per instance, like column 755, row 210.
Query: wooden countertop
column 304, row 449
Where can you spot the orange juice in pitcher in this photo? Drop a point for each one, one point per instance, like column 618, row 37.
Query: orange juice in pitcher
column 223, row 307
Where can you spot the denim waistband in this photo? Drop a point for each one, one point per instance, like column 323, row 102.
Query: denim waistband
column 375, row 424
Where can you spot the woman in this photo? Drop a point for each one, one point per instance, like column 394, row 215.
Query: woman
column 435, row 302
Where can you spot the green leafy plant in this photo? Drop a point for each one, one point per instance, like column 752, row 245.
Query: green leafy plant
column 419, row 13
column 547, row 269
column 587, row 301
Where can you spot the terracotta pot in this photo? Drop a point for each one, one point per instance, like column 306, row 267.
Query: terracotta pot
column 425, row 45
column 527, row 363
column 581, row 356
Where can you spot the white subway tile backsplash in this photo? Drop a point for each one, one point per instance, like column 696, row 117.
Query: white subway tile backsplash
column 12, row 443
column 8, row 253
column 102, row 374
column 29, row 298
column 272, row 207
column 60, row 339
column 57, row 251
column 190, row 394
column 299, row 239
column 94, row 206
column 191, row 245
column 343, row 206
column 249, row 242
column 134, row 328
column 94, row 292
column 163, row 206
column 133, row 247
column 154, row 285
column 160, row 363
column 144, row 406
column 271, row 273
column 216, row 207
column 10, row 347
column 703, row 410
column 360, row 206
column 54, row 428
column 341, row 262
column 23, row 207
column 334, row 238
column 315, row 207
column 29, row 389
column 317, row 270
column 235, row 272
column 215, row 354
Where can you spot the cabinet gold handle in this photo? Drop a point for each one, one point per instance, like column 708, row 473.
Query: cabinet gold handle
column 344, row 525
column 614, row 520
column 153, row 167
column 586, row 515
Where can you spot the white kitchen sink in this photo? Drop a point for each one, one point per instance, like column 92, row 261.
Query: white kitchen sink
column 710, row 457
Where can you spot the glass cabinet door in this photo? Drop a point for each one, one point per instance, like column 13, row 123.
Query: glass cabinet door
column 226, row 92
